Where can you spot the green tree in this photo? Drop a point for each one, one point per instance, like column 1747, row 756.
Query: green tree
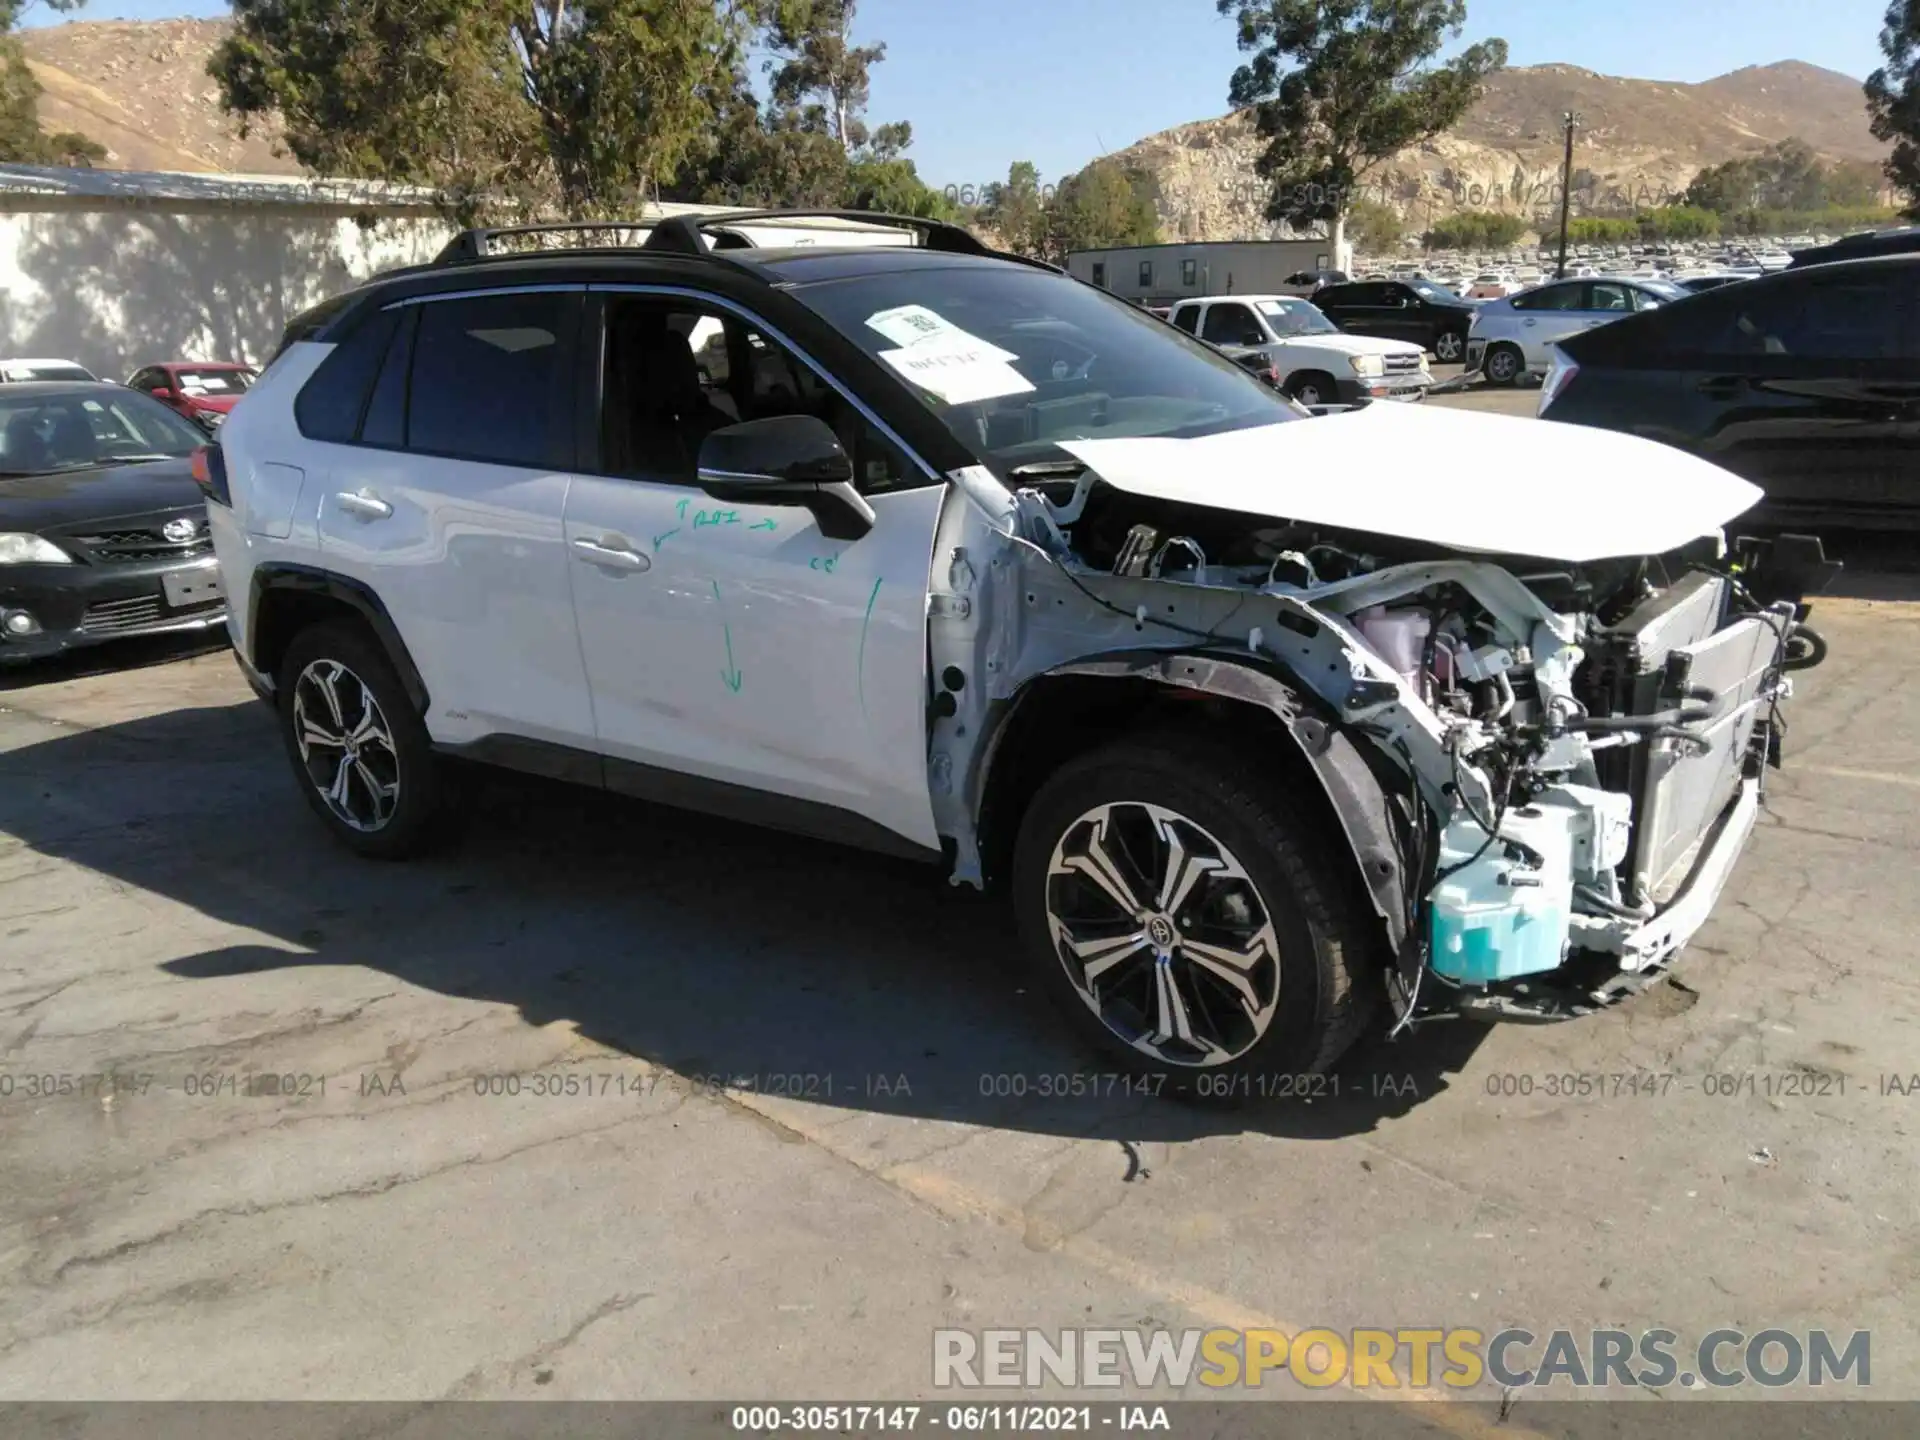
column 1475, row 230
column 1103, row 205
column 1893, row 99
column 21, row 139
column 819, row 71
column 588, row 106
column 1340, row 85
column 1016, row 211
column 1376, row 228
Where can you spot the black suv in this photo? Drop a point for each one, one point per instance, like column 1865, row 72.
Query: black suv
column 1416, row 310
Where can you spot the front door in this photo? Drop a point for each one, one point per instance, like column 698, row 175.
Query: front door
column 735, row 643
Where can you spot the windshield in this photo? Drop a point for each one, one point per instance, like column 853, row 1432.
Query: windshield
column 81, row 428
column 1295, row 317
column 213, row 382
column 1431, row 292
column 1016, row 360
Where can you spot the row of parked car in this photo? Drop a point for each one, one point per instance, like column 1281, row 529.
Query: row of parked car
column 200, row 390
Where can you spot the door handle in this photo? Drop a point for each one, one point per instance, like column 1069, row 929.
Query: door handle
column 1721, row 387
column 610, row 556
column 365, row 504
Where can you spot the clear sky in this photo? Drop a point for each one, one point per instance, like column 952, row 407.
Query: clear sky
column 986, row 82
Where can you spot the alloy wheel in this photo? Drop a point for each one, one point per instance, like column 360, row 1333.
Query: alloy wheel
column 1502, row 366
column 1163, row 934
column 1447, row 346
column 345, row 745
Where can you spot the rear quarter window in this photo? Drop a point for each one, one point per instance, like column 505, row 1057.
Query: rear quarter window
column 330, row 404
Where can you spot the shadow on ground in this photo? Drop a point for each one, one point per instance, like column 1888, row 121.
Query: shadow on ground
column 715, row 949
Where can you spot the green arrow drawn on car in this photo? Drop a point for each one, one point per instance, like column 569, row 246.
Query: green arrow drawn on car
column 731, row 675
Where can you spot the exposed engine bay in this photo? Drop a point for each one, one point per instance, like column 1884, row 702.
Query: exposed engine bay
column 1576, row 751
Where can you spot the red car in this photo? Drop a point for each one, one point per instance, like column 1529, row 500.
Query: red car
column 201, row 392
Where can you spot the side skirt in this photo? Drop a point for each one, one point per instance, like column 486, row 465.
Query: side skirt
column 688, row 792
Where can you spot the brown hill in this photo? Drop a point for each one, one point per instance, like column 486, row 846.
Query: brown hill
column 141, row 89
column 1641, row 142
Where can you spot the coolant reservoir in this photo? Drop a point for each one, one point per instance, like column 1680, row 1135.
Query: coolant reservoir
column 1499, row 918
column 1398, row 637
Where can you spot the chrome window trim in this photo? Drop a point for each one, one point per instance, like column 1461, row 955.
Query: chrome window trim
column 720, row 302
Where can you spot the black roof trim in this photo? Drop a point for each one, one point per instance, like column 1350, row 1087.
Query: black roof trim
column 700, row 234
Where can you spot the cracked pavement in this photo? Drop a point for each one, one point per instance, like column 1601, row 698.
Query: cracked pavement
column 495, row 1159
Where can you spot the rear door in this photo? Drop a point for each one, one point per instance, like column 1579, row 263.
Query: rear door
column 446, row 500
column 1812, row 385
column 1548, row 314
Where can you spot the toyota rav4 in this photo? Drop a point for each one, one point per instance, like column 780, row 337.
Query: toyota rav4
column 1262, row 719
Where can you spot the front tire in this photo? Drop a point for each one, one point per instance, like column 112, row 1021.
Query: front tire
column 1187, row 922
column 360, row 752
column 1312, row 388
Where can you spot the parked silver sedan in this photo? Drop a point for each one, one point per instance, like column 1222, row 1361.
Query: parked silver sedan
column 1515, row 336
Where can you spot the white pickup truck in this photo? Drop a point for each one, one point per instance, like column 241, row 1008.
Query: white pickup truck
column 1304, row 353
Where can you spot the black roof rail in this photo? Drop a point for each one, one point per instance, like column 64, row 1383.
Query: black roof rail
column 699, row 233
column 477, row 244
column 934, row 234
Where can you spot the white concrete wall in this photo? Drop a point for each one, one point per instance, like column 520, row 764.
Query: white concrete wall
column 119, row 288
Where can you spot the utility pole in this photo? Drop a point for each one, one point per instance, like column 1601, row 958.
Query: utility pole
column 1570, row 120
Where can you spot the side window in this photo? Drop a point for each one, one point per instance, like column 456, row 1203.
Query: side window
column 329, row 404
column 1608, row 297
column 1187, row 317
column 1550, row 297
column 1851, row 317
column 1398, row 297
column 674, row 372
column 485, row 376
column 145, row 380
column 1189, row 272
column 1647, row 300
column 1232, row 325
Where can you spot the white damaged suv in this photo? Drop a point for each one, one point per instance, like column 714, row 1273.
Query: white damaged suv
column 1262, row 720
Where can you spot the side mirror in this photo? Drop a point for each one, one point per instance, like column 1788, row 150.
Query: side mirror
column 787, row 460
column 161, row 392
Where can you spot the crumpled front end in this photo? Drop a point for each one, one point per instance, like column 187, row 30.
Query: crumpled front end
column 1573, row 752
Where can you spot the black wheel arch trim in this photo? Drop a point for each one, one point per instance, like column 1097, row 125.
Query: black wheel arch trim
column 1350, row 774
column 286, row 576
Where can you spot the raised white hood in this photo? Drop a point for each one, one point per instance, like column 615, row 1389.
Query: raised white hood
column 1493, row 484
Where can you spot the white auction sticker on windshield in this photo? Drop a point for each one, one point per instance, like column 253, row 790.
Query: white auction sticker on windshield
column 909, row 325
column 958, row 372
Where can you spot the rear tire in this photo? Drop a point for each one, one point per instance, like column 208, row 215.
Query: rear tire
column 1449, row 346
column 360, row 752
column 1229, row 954
column 1504, row 364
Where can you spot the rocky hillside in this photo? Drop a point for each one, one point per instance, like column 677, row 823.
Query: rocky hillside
column 141, row 89
column 1641, row 143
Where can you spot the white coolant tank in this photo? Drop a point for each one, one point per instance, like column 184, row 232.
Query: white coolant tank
column 1398, row 637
